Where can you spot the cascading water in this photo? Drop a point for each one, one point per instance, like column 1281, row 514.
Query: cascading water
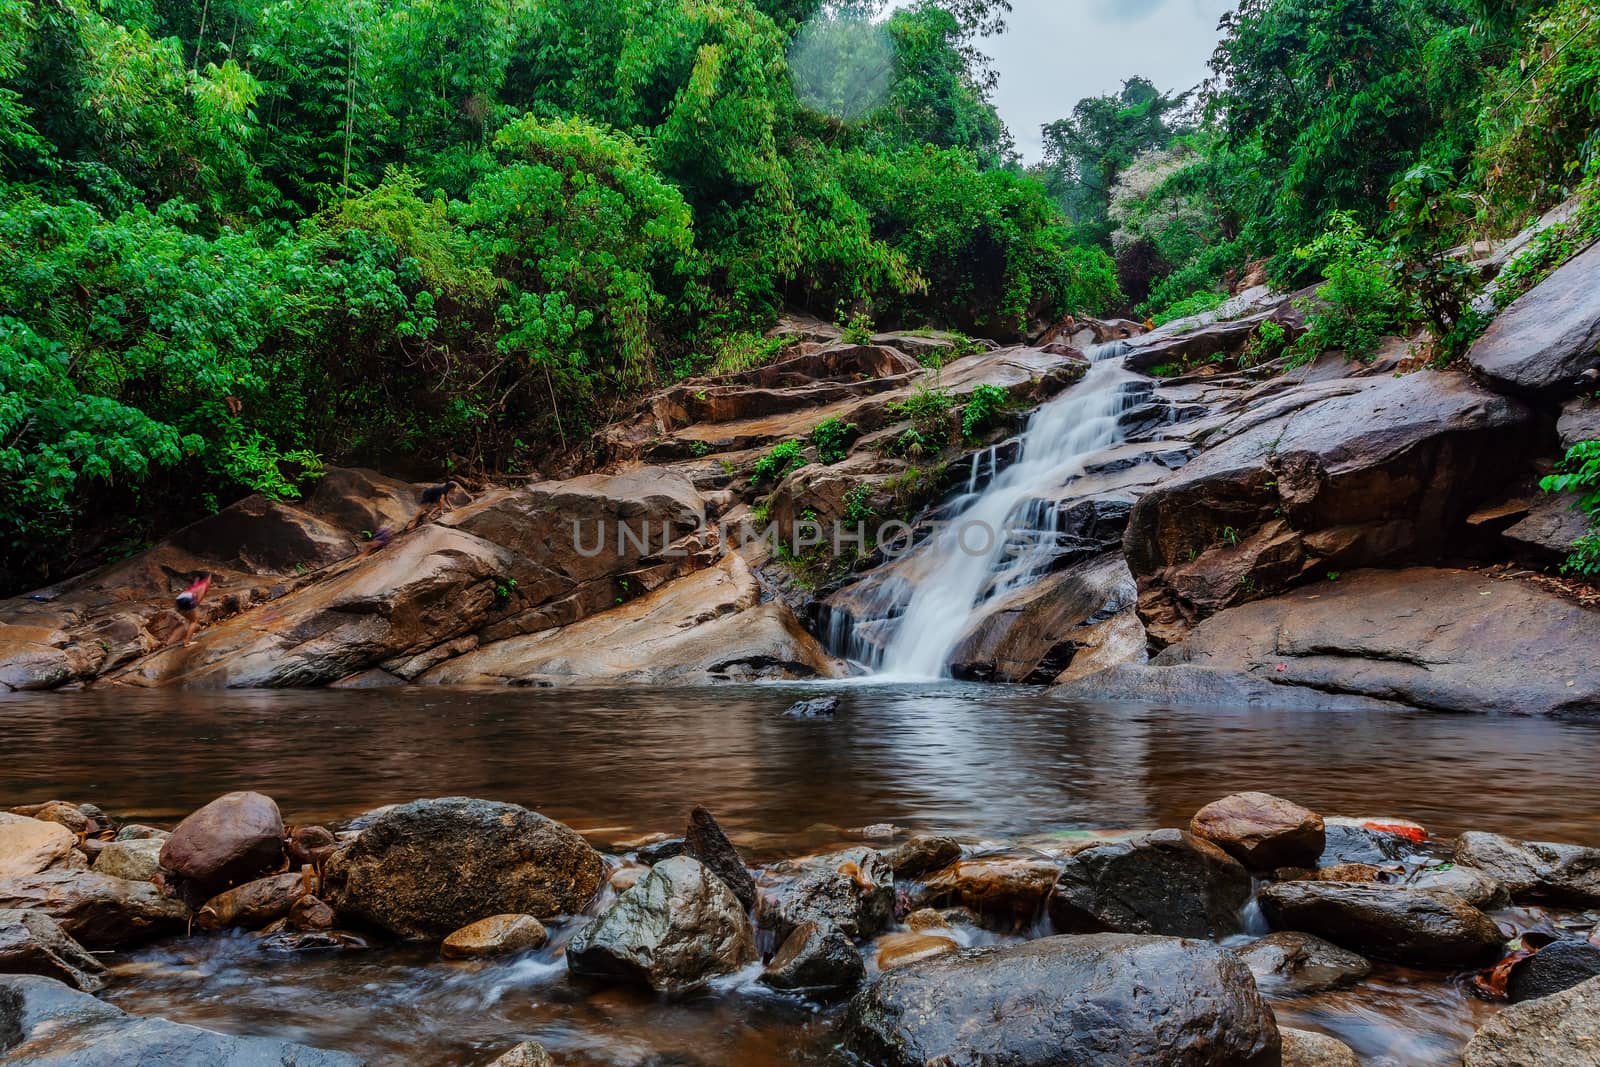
column 1000, row 536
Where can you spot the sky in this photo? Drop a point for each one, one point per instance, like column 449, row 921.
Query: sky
column 1055, row 52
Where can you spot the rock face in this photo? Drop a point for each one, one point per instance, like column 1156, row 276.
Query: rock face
column 424, row 869
column 95, row 909
column 1560, row 1029
column 679, row 927
column 54, row 1026
column 1261, row 831
column 230, row 840
column 498, row 935
column 1559, row 965
column 817, row 960
column 1410, row 926
column 852, row 891
column 33, row 943
column 1166, row 882
column 1381, row 475
column 705, row 841
column 1432, row 638
column 1544, row 342
column 1289, row 962
column 1102, row 999
column 1531, row 870
column 28, row 846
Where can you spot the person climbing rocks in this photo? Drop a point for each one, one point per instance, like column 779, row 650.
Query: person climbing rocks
column 435, row 502
column 188, row 603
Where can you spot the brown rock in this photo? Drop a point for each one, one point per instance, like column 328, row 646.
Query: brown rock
column 137, row 860
column 234, row 838
column 498, row 935
column 1261, row 831
column 1303, row 1048
column 899, row 950
column 28, row 846
column 524, row 1054
column 310, row 913
column 927, row 920
column 989, row 885
column 705, row 841
column 923, row 853
column 61, row 813
column 252, row 905
column 95, row 909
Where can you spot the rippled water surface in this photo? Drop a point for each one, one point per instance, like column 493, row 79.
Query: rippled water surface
column 983, row 763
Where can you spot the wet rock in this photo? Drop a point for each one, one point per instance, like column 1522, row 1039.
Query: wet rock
column 1003, row 885
column 137, row 832
column 1535, row 870
column 310, row 913
column 851, row 890
column 1470, row 884
column 1563, row 1028
column 705, row 841
column 28, row 846
column 97, row 910
column 1543, row 344
column 1100, row 999
column 59, row 812
column 893, row 951
column 252, row 905
column 1559, row 965
column 1350, row 843
column 498, row 935
column 1436, row 638
column 627, row 876
column 1186, row 684
column 31, row 942
column 425, row 868
column 923, row 853
column 57, row 1026
column 1303, row 1048
column 927, row 920
column 817, row 960
column 1345, row 872
column 137, row 859
column 1415, row 927
column 1165, row 882
column 523, row 1054
column 288, row 942
column 661, row 850
column 1261, row 831
column 233, row 839
column 676, row 930
column 1291, row 962
column 820, row 708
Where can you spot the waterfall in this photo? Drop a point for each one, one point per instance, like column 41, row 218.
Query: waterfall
column 998, row 536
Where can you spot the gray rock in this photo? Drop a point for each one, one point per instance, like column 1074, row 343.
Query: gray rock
column 236, row 837
column 97, row 910
column 1580, row 421
column 817, row 960
column 1476, row 887
column 1535, row 870
column 820, row 708
column 661, row 850
column 1562, row 1029
column 1190, row 685
column 1302, row 1048
column 33, row 943
column 1346, row 843
column 1093, row 1001
column 674, row 931
column 1559, row 965
column 139, row 832
column 51, row 1025
column 852, row 891
column 136, row 859
column 1166, row 882
column 923, row 853
column 1292, row 962
column 1544, row 342
column 1415, row 927
column 424, row 869
column 705, row 841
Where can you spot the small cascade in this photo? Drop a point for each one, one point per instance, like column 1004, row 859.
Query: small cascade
column 1000, row 534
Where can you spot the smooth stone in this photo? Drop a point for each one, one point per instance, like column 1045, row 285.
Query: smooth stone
column 1561, row 1030
column 236, row 837
column 815, row 960
column 992, row 885
column 1476, row 887
column 1292, row 962
column 31, row 942
column 60, row 813
column 1548, row 338
column 29, row 845
column 1261, row 831
column 1303, row 1048
column 252, row 905
column 893, row 951
column 661, row 850
column 310, row 913
column 136, row 859
column 923, row 853
column 498, row 935
column 1416, row 927
column 924, row 920
column 1165, row 882
column 137, row 832
column 1557, row 966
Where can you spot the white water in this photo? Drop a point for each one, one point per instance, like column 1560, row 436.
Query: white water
column 1006, row 534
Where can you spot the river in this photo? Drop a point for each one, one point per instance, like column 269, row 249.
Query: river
column 984, row 763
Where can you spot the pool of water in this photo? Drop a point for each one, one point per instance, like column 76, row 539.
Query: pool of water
column 984, row 763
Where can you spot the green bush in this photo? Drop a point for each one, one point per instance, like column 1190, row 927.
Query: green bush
column 832, row 437
column 775, row 465
column 982, row 409
column 1358, row 302
column 1194, row 304
column 928, row 410
column 1580, row 473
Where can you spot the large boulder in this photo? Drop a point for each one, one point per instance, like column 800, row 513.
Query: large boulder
column 1416, row 927
column 1535, row 870
column 1435, row 638
column 1184, row 684
column 852, row 891
column 1261, row 831
column 28, row 846
column 1101, row 999
column 1560, row 1029
column 1291, row 962
column 426, row 868
column 231, row 840
column 1546, row 341
column 31, row 942
column 44, row 1023
column 1382, row 475
column 675, row 930
column 97, row 910
column 1165, row 882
